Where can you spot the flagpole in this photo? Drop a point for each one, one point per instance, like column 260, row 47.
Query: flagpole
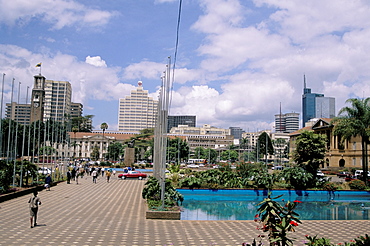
column 1, row 117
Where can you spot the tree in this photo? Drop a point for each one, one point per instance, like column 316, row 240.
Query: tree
column 265, row 145
column 229, row 155
column 83, row 123
column 104, row 126
column 355, row 121
column 310, row 151
column 115, row 150
column 143, row 142
column 95, row 153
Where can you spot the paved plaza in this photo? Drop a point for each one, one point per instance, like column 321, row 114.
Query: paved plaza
column 114, row 214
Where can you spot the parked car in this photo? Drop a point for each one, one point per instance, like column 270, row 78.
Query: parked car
column 277, row 168
column 44, row 170
column 132, row 174
column 320, row 174
column 343, row 174
column 193, row 166
column 359, row 173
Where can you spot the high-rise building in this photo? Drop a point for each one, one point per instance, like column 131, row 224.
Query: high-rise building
column 57, row 101
column 137, row 111
column 315, row 105
column 76, row 110
column 18, row 112
column 325, row 107
column 286, row 123
column 176, row 120
column 50, row 100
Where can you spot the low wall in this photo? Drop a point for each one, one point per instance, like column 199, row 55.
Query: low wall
column 163, row 215
column 18, row 193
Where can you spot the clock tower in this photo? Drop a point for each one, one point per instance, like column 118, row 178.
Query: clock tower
column 37, row 100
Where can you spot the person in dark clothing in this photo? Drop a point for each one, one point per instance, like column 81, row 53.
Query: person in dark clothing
column 73, row 174
column 48, row 182
column 68, row 177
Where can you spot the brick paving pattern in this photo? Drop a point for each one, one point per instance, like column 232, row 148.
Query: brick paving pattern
column 114, row 214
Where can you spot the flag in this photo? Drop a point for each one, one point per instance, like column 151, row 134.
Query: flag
column 38, row 65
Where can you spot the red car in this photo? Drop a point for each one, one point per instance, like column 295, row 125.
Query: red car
column 132, row 174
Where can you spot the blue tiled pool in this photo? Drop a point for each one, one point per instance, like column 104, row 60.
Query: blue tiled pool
column 241, row 204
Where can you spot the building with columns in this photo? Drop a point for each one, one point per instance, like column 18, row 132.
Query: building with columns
column 82, row 143
column 338, row 156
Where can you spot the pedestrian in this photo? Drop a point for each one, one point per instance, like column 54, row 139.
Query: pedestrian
column 68, row 177
column 114, row 172
column 34, row 203
column 77, row 174
column 48, row 182
column 94, row 175
column 102, row 171
column 74, row 173
column 108, row 174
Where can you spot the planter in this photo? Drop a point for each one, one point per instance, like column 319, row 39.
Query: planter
column 163, row 215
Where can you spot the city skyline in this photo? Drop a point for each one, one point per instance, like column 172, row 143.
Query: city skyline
column 236, row 60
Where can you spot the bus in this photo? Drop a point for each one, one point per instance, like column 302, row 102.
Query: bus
column 197, row 161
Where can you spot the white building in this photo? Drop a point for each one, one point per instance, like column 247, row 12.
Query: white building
column 57, row 102
column 287, row 123
column 137, row 111
column 206, row 136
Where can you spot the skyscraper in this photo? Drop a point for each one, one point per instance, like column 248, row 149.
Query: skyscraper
column 286, row 123
column 137, row 111
column 315, row 105
column 57, row 101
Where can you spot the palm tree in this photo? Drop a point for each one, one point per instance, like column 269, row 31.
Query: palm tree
column 355, row 121
column 104, row 126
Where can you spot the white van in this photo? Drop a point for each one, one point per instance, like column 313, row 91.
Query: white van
column 359, row 173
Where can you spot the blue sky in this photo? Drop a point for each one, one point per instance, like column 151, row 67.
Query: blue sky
column 237, row 59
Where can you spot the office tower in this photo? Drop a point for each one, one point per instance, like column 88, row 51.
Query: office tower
column 57, row 100
column 76, row 110
column 315, row 105
column 291, row 122
column 236, row 132
column 286, row 123
column 18, row 112
column 137, row 111
column 176, row 120
column 325, row 107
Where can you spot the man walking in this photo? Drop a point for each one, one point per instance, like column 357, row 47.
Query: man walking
column 94, row 175
column 34, row 207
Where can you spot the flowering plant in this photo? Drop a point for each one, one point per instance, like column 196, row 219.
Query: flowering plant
column 277, row 220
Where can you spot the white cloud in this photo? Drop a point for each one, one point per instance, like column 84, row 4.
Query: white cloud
column 144, row 69
column 88, row 82
column 95, row 61
column 58, row 13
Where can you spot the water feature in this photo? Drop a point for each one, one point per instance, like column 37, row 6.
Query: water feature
column 242, row 204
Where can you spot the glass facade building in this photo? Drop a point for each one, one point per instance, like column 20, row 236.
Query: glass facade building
column 315, row 105
column 176, row 120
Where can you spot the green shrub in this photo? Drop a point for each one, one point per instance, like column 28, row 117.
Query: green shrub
column 152, row 193
column 330, row 186
column 357, row 184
